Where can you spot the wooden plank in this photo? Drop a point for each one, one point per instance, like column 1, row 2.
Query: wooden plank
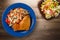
column 47, row 23
column 40, row 35
column 42, row 24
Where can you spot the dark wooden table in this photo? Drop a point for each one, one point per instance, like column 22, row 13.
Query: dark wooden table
column 44, row 29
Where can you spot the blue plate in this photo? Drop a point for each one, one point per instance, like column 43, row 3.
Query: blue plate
column 10, row 30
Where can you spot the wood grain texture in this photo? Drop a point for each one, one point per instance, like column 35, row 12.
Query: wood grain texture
column 44, row 29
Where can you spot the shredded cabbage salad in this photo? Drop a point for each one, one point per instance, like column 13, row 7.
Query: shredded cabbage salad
column 50, row 8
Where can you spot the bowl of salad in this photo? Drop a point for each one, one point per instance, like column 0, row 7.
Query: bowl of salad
column 49, row 8
column 18, row 20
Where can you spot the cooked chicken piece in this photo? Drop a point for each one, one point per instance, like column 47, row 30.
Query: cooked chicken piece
column 25, row 23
